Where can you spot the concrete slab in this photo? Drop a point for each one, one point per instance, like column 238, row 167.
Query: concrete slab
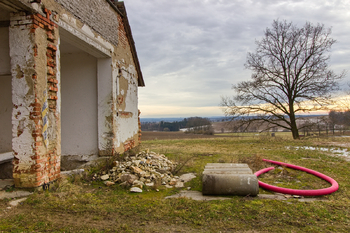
column 232, row 165
column 272, row 196
column 242, row 169
column 72, row 172
column 187, row 177
column 17, row 201
column 197, row 196
column 228, row 168
column 14, row 194
column 224, row 172
column 283, row 197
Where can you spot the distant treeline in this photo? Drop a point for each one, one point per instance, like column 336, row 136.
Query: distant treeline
column 340, row 118
column 176, row 125
column 172, row 119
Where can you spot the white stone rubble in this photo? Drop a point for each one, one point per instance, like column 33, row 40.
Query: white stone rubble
column 145, row 169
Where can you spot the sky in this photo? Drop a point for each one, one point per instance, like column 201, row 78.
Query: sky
column 191, row 52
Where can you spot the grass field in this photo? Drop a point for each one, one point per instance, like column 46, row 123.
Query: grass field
column 80, row 206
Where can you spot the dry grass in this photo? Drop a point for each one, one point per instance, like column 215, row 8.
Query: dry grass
column 84, row 206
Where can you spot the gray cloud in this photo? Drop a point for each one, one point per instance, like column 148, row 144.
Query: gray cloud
column 191, row 52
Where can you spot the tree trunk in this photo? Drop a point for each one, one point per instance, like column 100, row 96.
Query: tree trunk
column 293, row 123
column 294, row 128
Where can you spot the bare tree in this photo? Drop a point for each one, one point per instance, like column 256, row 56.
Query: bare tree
column 289, row 68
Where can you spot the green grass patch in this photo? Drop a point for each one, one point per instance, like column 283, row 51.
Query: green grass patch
column 89, row 206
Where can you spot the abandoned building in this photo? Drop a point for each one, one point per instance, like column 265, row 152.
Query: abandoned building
column 69, row 78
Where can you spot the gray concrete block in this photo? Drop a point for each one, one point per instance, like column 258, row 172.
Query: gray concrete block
column 231, row 165
column 229, row 179
column 246, row 170
column 224, row 172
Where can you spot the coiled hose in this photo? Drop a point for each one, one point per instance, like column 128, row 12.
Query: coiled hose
column 317, row 192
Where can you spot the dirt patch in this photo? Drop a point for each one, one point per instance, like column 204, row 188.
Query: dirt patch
column 255, row 162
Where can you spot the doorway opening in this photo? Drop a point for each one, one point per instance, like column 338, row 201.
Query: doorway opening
column 79, row 123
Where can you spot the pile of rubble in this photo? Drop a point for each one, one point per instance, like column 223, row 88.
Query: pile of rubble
column 144, row 169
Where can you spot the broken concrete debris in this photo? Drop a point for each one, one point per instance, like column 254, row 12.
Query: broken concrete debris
column 145, row 169
column 135, row 190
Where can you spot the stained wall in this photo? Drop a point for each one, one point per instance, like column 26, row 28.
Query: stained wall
column 84, row 102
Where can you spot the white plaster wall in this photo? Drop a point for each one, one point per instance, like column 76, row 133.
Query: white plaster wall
column 131, row 97
column 105, row 119
column 5, row 114
column 128, row 127
column 22, row 59
column 5, row 65
column 79, row 132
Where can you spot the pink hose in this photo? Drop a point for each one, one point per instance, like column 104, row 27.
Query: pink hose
column 317, row 192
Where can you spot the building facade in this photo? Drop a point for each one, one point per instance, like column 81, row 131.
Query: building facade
column 69, row 78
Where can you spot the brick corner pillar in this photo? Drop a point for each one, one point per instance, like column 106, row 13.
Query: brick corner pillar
column 35, row 121
column 140, row 132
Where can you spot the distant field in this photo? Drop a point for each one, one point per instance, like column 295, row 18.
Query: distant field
column 148, row 135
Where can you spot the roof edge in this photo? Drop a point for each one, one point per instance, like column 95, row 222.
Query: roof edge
column 112, row 3
column 120, row 8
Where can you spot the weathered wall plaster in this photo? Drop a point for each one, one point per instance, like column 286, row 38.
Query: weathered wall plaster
column 127, row 123
column 79, row 104
column 75, row 22
column 98, row 14
column 117, row 124
column 105, row 109
column 102, row 113
column 23, row 96
column 33, row 40
column 127, row 95
column 22, row 67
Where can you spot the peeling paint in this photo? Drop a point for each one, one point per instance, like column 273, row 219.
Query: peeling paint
column 28, row 51
column 34, row 39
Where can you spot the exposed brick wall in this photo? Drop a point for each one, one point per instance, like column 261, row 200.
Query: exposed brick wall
column 98, row 14
column 129, row 145
column 49, row 26
column 44, row 165
column 140, row 132
column 123, row 39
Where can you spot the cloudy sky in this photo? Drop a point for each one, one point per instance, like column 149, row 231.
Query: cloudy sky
column 192, row 51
